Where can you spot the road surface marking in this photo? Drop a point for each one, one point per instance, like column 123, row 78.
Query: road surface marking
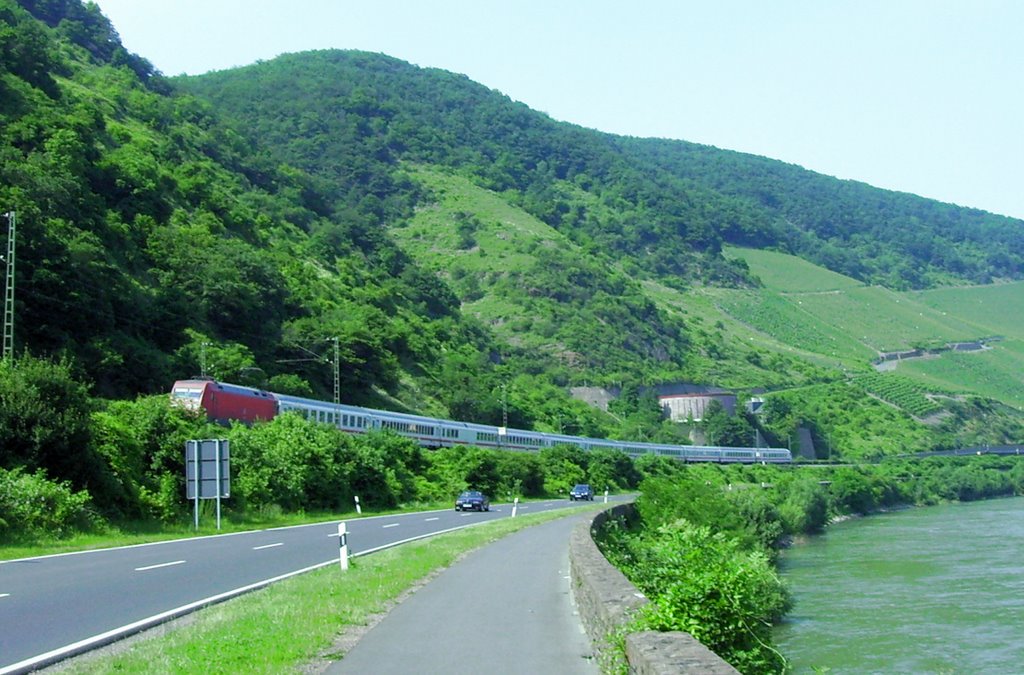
column 260, row 548
column 5, row 595
column 389, row 525
column 430, row 519
column 153, row 567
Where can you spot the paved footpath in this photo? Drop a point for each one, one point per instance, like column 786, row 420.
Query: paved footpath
column 505, row 609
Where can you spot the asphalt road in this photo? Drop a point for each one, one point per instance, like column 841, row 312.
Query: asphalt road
column 54, row 607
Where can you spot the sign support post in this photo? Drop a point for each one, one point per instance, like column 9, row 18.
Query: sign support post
column 199, row 484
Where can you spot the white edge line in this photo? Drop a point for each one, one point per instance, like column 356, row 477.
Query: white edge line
column 122, row 548
column 406, row 541
column 118, row 633
column 159, row 565
column 95, row 641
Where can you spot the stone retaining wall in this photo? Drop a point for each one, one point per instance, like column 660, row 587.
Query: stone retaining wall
column 607, row 600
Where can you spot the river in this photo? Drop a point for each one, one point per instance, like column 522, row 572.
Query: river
column 926, row 590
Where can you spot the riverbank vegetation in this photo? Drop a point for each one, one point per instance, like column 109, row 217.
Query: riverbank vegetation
column 703, row 540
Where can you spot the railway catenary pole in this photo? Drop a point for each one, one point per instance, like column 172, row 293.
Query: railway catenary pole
column 337, row 373
column 202, row 357
column 504, row 405
column 8, row 348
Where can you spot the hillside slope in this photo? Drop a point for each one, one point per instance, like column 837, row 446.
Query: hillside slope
column 352, row 117
column 469, row 256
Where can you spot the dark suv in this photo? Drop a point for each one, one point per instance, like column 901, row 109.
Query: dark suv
column 581, row 491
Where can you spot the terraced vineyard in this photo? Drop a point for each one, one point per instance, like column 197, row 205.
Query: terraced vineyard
column 996, row 309
column 788, row 274
column 847, row 323
column 904, row 393
column 994, row 373
column 787, row 321
column 885, row 320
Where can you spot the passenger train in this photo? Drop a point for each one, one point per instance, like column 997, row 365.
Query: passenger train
column 226, row 402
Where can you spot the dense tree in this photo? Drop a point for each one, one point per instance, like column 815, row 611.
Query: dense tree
column 44, row 421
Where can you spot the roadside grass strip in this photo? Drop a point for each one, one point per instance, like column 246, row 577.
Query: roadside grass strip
column 296, row 623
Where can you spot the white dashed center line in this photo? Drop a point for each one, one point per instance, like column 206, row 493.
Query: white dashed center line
column 166, row 564
column 260, row 548
column 390, row 525
column 430, row 519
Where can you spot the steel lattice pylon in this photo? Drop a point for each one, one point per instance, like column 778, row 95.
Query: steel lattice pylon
column 9, row 289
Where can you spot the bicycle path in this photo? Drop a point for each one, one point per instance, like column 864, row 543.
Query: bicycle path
column 506, row 607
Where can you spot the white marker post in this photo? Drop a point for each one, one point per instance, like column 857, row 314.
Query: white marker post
column 342, row 546
column 359, row 509
column 606, row 496
column 515, row 505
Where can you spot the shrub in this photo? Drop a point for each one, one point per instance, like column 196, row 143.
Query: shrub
column 703, row 583
column 33, row 506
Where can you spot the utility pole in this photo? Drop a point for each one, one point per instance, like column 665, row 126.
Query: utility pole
column 8, row 353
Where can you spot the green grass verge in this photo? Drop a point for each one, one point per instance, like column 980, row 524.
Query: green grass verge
column 295, row 622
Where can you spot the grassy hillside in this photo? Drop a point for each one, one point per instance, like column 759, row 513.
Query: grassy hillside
column 533, row 286
column 994, row 373
column 813, row 310
column 880, row 319
column 790, row 274
column 998, row 309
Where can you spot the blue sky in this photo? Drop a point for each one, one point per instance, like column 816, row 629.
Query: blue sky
column 921, row 96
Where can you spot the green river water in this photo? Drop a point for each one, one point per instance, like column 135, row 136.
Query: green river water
column 927, row 590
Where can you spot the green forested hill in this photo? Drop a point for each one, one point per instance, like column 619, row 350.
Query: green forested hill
column 466, row 252
column 152, row 236
column 351, row 117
